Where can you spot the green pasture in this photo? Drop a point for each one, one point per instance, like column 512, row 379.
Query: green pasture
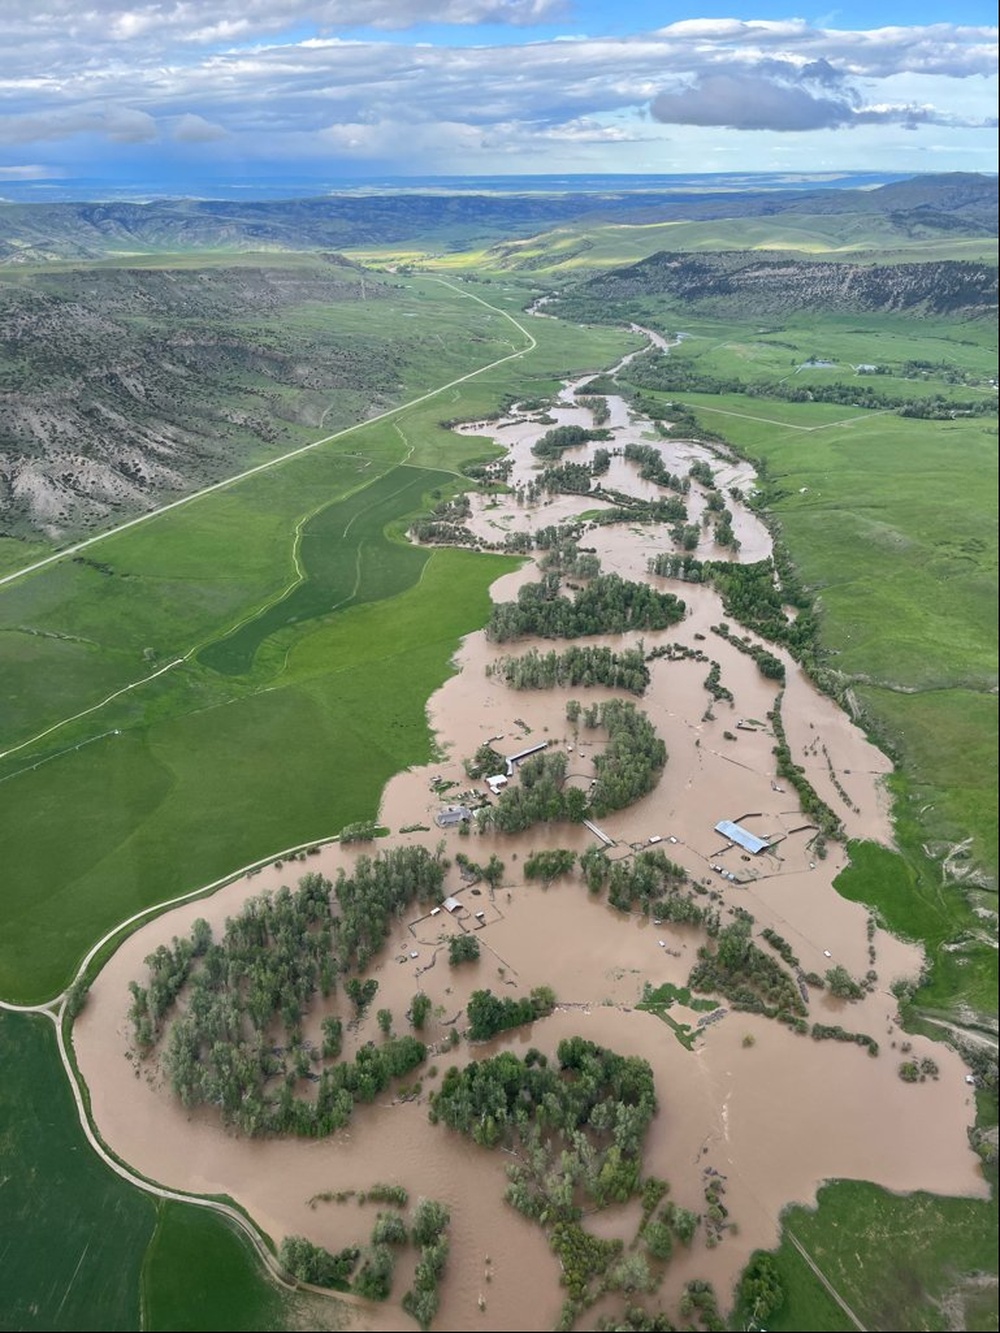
column 916, row 1250
column 82, row 1249
column 345, row 557
column 81, row 629
column 906, row 891
column 757, row 353
column 946, row 740
column 179, row 781
column 184, row 799
column 201, row 1274
column 892, row 523
column 72, row 1234
column 15, row 553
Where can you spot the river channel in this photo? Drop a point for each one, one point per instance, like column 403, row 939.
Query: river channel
column 775, row 1113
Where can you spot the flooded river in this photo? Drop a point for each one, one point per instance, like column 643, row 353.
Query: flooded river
column 776, row 1113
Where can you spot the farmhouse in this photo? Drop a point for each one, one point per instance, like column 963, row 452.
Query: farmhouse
column 451, row 815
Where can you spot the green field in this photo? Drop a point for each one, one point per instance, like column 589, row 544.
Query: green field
column 72, row 1235
column 201, row 1275
column 892, row 523
column 244, row 592
column 333, row 706
column 916, row 1250
column 576, row 248
column 82, row 1249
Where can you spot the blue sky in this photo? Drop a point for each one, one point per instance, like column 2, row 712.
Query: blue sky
column 163, row 93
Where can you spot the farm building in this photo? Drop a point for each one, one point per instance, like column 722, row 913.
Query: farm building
column 523, row 754
column 452, row 814
column 742, row 837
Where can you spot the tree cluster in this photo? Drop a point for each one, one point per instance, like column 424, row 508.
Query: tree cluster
column 604, row 1098
column 631, row 509
column 761, row 1290
column 834, row 1032
column 652, row 467
column 751, row 595
column 463, row 949
column 676, row 565
column 597, row 406
column 276, row 953
column 549, row 864
column 769, row 666
column 649, row 879
column 625, row 670
column 538, row 796
column 311, row 1263
column 810, row 800
column 608, row 605
column 430, row 1224
column 631, row 764
column 567, row 478
column 489, row 1014
column 554, row 441
column 751, row 980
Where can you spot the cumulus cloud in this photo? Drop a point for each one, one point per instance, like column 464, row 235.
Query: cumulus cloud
column 750, row 102
column 119, row 124
column 196, row 129
column 786, row 97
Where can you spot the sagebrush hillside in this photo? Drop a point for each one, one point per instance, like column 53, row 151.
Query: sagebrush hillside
column 120, row 386
column 741, row 282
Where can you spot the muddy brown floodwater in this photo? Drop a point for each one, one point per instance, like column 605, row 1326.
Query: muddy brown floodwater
column 775, row 1113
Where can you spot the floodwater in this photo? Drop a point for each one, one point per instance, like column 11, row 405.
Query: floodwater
column 775, row 1113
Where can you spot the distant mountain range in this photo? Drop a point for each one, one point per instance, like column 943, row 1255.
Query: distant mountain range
column 961, row 204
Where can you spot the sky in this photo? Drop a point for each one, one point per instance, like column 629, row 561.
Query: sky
column 165, row 94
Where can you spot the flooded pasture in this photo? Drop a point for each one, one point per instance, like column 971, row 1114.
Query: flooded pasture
column 775, row 1113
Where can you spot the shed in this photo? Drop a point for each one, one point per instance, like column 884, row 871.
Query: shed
column 741, row 836
column 451, row 904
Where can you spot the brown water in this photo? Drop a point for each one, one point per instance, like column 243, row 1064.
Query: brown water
column 776, row 1116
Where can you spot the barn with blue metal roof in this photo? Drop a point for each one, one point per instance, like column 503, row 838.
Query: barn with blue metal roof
column 741, row 836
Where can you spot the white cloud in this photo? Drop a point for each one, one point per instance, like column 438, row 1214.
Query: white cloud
column 119, row 124
column 29, row 172
column 120, row 71
column 196, row 129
